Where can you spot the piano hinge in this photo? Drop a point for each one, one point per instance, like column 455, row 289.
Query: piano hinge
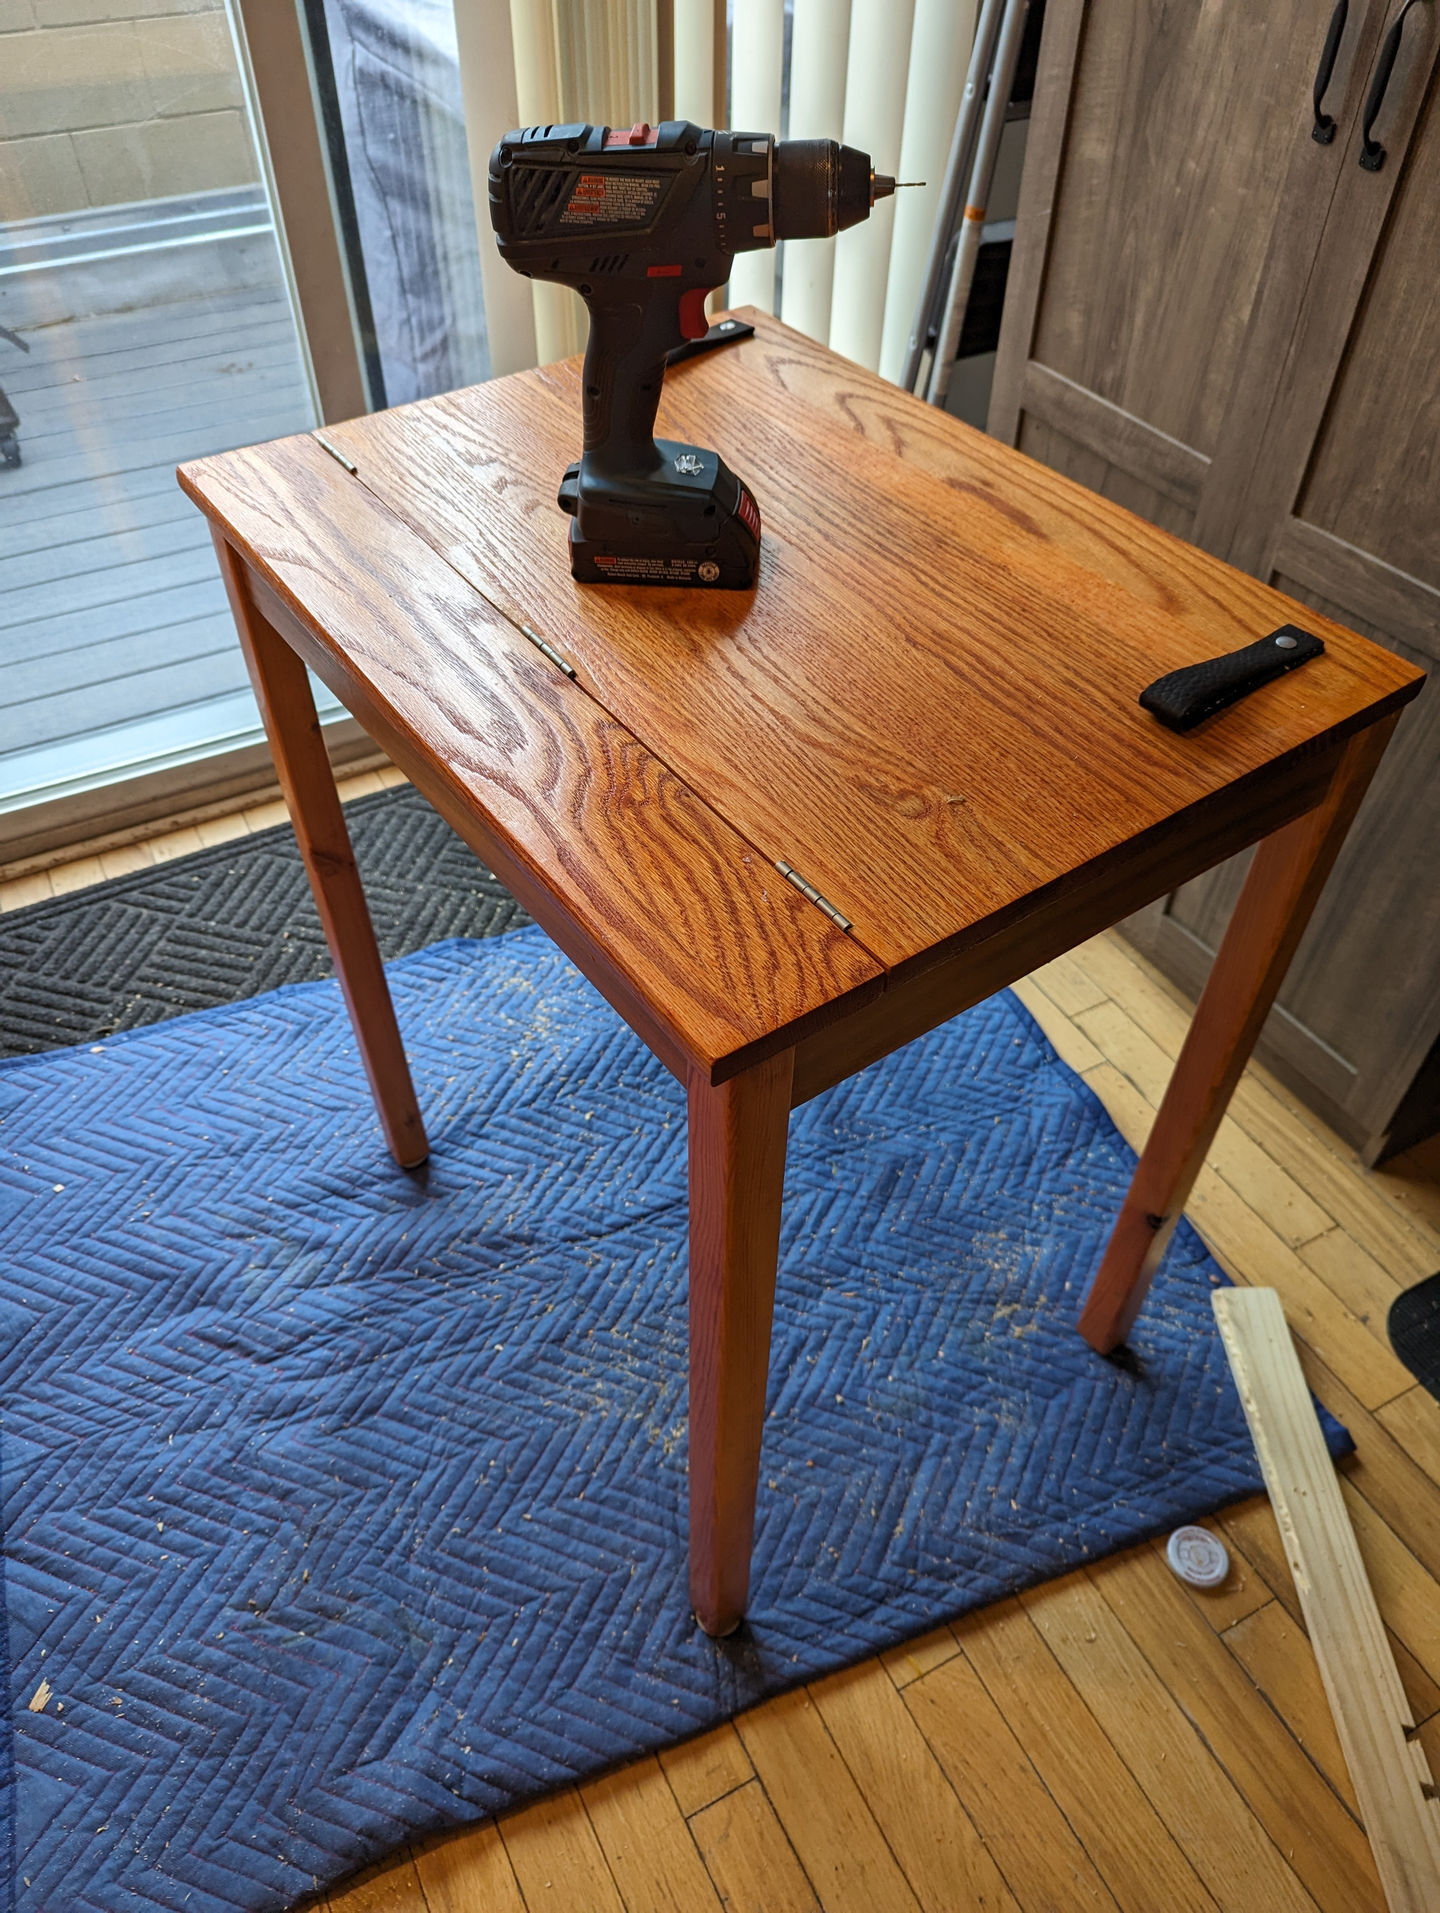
column 554, row 656
column 809, row 890
column 335, row 452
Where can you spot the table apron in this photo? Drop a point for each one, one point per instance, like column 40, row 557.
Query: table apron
column 918, row 1001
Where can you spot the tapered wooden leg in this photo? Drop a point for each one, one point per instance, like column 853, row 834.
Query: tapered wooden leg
column 737, row 1172
column 282, row 691
column 1280, row 892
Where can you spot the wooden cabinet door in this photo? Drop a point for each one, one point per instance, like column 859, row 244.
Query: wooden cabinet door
column 1170, row 174
column 1340, row 507
column 1297, row 434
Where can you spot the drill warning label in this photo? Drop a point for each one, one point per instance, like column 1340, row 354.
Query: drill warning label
column 613, row 199
column 653, row 570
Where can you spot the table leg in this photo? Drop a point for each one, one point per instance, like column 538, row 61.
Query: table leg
column 282, row 691
column 1280, row 892
column 737, row 1172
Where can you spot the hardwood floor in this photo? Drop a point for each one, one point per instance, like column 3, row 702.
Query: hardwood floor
column 1110, row 1740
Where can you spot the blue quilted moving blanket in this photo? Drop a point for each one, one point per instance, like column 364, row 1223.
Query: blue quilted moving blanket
column 343, row 1504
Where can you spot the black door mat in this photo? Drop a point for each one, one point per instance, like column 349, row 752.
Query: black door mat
column 227, row 923
column 1414, row 1326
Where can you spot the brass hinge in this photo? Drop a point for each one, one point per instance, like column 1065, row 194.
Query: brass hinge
column 554, row 656
column 809, row 890
column 335, row 452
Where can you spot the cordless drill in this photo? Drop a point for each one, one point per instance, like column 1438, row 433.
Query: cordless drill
column 643, row 223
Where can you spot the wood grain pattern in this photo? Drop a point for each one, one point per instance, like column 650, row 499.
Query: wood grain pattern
column 1044, row 152
column 929, row 709
column 911, row 1659
column 1282, row 889
column 1314, row 408
column 1277, row 1779
column 1013, row 505
column 1175, row 112
column 749, row 1857
column 704, row 1770
column 1042, row 1862
column 926, row 783
column 737, row 1175
column 1333, row 431
column 1392, row 1779
column 1366, row 585
column 1316, row 178
column 833, row 1831
column 916, row 1002
column 662, row 902
column 651, row 1853
column 1110, row 1815
column 1150, row 1728
column 302, row 764
column 557, row 1860
column 904, row 1786
column 1118, row 436
column 460, row 1874
column 1387, row 389
column 1079, row 458
column 1274, row 1652
column 1251, row 1531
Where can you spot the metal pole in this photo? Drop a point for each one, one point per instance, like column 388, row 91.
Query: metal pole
column 987, row 148
column 961, row 146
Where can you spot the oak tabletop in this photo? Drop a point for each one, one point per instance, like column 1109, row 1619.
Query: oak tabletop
column 927, row 707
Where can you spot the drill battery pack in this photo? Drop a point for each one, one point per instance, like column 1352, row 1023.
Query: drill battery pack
column 690, row 521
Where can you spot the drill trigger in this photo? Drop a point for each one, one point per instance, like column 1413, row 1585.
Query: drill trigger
column 693, row 323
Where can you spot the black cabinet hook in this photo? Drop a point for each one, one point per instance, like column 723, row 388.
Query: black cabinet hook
column 1324, row 127
column 1372, row 153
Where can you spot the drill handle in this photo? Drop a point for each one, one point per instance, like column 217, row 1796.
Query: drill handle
column 624, row 371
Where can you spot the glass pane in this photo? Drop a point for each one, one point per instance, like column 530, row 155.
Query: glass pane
column 146, row 320
column 389, row 77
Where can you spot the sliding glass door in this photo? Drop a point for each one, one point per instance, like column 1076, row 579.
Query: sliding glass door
column 388, row 79
column 147, row 319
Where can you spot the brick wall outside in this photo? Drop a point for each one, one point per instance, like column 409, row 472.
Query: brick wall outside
column 103, row 101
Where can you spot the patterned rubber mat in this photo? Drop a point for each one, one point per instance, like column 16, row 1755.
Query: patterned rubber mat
column 229, row 923
column 344, row 1504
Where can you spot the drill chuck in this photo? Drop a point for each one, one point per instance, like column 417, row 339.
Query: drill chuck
column 821, row 187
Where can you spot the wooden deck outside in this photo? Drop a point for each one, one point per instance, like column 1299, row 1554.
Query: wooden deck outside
column 111, row 607
column 1108, row 1741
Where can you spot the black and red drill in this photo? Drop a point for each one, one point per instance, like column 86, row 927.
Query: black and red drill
column 643, row 223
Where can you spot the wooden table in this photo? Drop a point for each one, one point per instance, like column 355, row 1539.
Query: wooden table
column 785, row 832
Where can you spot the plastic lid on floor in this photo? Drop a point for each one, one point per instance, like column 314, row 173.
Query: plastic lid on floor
column 1198, row 1557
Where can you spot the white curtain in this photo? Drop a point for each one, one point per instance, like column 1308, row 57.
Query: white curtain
column 699, row 77
column 939, row 54
column 883, row 75
column 819, row 55
column 539, row 62
column 757, row 73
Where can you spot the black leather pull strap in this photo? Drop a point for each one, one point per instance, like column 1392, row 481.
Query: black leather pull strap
column 1182, row 699
column 725, row 332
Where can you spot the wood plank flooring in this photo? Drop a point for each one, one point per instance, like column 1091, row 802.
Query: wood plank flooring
column 111, row 609
column 1111, row 1740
